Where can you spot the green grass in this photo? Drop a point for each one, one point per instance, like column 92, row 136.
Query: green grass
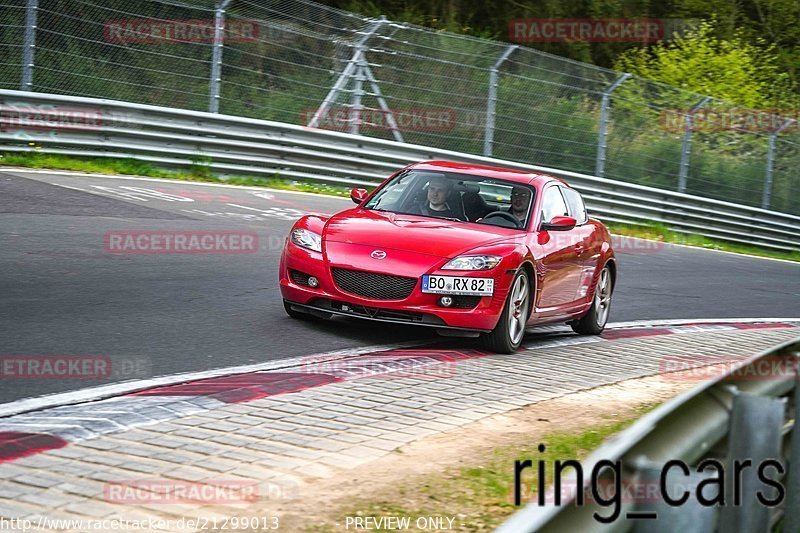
column 481, row 495
column 201, row 171
column 663, row 233
column 198, row 171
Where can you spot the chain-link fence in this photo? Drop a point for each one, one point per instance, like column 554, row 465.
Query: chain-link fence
column 300, row 62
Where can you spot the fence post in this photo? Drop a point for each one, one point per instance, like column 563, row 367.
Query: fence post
column 773, row 135
column 355, row 99
column 491, row 101
column 755, row 436
column 216, row 57
column 600, row 162
column 376, row 90
column 29, row 45
column 351, row 68
column 686, row 145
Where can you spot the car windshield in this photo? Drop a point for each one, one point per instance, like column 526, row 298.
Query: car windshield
column 458, row 197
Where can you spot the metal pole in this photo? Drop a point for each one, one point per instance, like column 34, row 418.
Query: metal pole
column 491, row 101
column 755, row 436
column 686, row 146
column 600, row 162
column 767, row 197
column 382, row 102
column 216, row 57
column 347, row 72
column 355, row 98
column 792, row 481
column 689, row 517
column 29, row 45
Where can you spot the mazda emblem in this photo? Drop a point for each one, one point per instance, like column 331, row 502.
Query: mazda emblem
column 378, row 254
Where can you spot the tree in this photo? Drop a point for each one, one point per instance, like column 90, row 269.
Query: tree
column 729, row 69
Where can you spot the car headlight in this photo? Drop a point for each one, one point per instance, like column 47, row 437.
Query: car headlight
column 473, row 262
column 307, row 239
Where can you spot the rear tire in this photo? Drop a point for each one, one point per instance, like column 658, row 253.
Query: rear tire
column 594, row 321
column 507, row 336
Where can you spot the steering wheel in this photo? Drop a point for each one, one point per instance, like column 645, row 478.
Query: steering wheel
column 505, row 216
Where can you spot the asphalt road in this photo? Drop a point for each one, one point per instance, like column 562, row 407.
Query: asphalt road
column 62, row 293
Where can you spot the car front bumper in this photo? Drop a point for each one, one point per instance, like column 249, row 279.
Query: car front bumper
column 418, row 308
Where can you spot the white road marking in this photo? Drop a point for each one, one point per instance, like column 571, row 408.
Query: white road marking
column 109, row 191
column 157, row 195
column 218, row 214
column 282, row 213
column 172, row 181
column 264, row 195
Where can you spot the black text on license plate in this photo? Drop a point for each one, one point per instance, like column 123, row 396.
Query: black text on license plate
column 458, row 285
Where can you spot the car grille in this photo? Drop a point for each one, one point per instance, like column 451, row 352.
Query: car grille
column 375, row 286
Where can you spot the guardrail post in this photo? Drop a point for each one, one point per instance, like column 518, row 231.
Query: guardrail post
column 755, row 436
column 29, row 45
column 491, row 100
column 216, row 57
column 349, row 70
column 600, row 163
column 689, row 517
column 792, row 507
column 773, row 135
column 686, row 145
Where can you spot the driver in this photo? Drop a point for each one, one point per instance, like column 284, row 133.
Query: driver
column 436, row 205
column 520, row 199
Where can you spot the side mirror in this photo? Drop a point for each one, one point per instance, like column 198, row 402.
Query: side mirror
column 560, row 223
column 358, row 195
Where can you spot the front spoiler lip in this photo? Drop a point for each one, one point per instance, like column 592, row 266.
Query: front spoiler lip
column 379, row 319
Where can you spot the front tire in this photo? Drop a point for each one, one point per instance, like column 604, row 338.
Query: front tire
column 594, row 321
column 507, row 336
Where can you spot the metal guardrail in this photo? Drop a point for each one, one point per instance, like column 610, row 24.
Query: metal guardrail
column 242, row 146
column 743, row 414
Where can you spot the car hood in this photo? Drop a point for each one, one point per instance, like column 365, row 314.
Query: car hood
column 412, row 233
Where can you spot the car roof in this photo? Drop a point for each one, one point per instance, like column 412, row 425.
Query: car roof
column 510, row 174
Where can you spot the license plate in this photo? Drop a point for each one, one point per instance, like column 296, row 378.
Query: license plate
column 458, row 285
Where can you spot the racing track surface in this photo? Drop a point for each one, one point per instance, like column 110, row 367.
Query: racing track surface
column 62, row 294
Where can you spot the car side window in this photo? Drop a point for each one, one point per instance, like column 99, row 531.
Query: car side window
column 577, row 208
column 553, row 204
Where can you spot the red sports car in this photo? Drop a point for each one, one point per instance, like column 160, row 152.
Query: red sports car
column 466, row 249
